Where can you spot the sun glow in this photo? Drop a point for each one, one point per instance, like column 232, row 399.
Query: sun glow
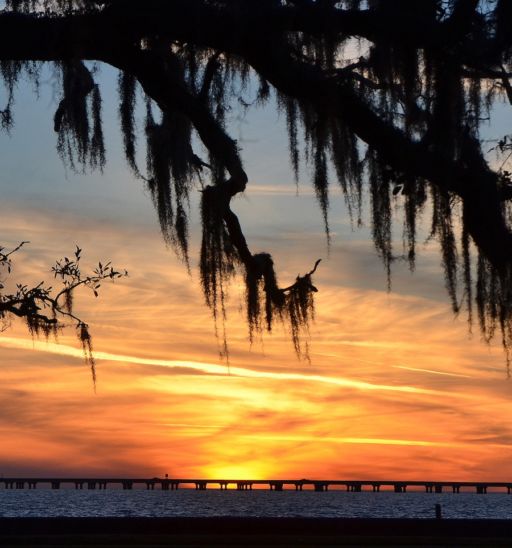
column 250, row 470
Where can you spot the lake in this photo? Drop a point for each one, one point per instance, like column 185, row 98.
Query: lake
column 44, row 502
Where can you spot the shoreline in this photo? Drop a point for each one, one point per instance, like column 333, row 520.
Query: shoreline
column 257, row 531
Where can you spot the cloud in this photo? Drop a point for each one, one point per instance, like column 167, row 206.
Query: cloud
column 360, row 441
column 432, row 371
column 392, row 374
column 209, row 368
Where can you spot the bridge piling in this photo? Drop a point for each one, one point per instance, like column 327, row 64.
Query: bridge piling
column 201, row 484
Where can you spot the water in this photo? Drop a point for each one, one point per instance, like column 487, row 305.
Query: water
column 66, row 502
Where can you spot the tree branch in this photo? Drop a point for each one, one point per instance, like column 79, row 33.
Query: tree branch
column 477, row 189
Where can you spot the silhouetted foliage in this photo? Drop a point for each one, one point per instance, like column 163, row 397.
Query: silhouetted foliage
column 46, row 310
column 387, row 96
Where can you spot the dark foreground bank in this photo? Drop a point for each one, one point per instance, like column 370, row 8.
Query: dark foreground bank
column 251, row 532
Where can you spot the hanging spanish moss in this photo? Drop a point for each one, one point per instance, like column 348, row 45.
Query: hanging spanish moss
column 442, row 227
column 170, row 175
column 493, row 298
column 39, row 326
column 381, row 215
column 293, row 141
column 391, row 109
column 321, row 176
column 86, row 340
column 261, row 283
column 345, row 156
column 78, row 145
column 97, row 155
column 266, row 301
column 218, row 258
column 127, row 95
column 12, row 72
column 468, row 278
column 299, row 312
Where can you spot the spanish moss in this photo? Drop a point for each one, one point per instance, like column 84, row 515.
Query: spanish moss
column 386, row 97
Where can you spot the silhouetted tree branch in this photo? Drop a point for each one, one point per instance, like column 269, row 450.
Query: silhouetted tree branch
column 44, row 309
column 398, row 117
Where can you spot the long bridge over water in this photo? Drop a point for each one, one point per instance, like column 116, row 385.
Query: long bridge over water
column 166, row 484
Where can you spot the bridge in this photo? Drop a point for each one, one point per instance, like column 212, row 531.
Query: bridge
column 166, row 484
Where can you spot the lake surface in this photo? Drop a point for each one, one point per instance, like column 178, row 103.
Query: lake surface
column 259, row 503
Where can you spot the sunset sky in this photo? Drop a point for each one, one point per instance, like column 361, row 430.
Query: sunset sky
column 396, row 387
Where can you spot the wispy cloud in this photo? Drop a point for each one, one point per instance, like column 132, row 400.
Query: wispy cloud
column 354, row 440
column 321, row 441
column 212, row 369
column 432, row 371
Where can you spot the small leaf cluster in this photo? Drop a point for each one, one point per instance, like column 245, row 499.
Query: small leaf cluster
column 45, row 309
column 68, row 271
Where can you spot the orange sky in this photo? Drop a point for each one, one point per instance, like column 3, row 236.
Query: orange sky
column 396, row 388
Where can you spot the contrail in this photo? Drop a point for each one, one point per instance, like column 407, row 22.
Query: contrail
column 210, row 368
column 432, row 371
column 371, row 441
column 352, row 440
